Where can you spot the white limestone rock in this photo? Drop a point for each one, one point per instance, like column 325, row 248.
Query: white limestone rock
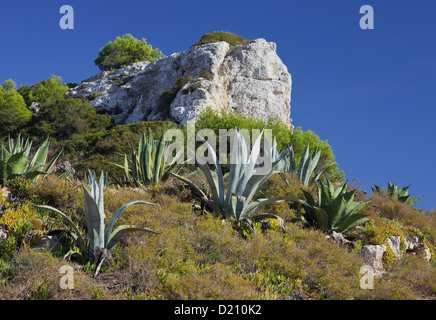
column 373, row 256
column 249, row 78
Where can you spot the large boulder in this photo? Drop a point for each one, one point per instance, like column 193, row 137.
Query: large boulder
column 248, row 78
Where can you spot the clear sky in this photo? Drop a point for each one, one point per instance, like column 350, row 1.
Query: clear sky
column 370, row 93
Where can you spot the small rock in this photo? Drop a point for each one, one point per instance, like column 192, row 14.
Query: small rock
column 6, row 192
column 415, row 245
column 35, row 107
column 64, row 167
column 395, row 243
column 373, row 256
column 339, row 239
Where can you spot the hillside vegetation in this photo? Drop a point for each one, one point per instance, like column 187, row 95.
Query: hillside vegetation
column 192, row 238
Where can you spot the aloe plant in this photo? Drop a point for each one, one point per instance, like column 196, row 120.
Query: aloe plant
column 401, row 195
column 244, row 180
column 336, row 209
column 100, row 240
column 149, row 163
column 14, row 159
column 308, row 163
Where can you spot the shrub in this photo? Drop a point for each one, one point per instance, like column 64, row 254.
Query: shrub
column 205, row 75
column 167, row 97
column 62, row 118
column 229, row 119
column 13, row 111
column 35, row 275
column 124, row 51
column 299, row 141
column 44, row 90
column 231, row 38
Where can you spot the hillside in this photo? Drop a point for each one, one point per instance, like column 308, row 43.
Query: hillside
column 298, row 231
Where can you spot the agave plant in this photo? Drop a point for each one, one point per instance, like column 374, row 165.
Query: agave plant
column 400, row 194
column 100, row 240
column 308, row 163
column 149, row 163
column 14, row 159
column 92, row 176
column 336, row 209
column 244, row 180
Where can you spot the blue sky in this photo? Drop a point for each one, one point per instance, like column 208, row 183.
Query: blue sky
column 370, row 93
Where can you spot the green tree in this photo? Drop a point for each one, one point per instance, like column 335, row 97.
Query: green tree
column 13, row 110
column 44, row 90
column 124, row 51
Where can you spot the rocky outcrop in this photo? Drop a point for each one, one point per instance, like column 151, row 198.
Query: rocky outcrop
column 373, row 255
column 249, row 78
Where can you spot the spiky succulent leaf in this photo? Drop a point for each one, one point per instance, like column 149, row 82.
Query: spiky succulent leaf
column 121, row 231
column 116, row 216
column 76, row 236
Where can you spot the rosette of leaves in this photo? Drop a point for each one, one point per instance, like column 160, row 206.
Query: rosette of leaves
column 401, row 195
column 101, row 239
column 244, row 180
column 149, row 163
column 335, row 209
column 14, row 159
column 307, row 165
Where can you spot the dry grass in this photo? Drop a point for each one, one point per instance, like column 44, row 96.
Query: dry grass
column 201, row 257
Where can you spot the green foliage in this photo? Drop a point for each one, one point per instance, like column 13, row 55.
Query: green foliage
column 299, row 142
column 64, row 118
column 244, row 180
column 13, row 111
column 167, row 97
column 100, row 240
column 14, row 160
column 44, row 90
column 97, row 151
column 124, row 51
column 230, row 119
column 149, row 164
column 231, row 38
column 205, row 75
column 401, row 195
column 287, row 164
column 18, row 220
column 336, row 209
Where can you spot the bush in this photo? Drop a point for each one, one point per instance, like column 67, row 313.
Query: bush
column 124, row 51
column 224, row 119
column 44, row 90
column 13, row 111
column 231, row 38
column 64, row 117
